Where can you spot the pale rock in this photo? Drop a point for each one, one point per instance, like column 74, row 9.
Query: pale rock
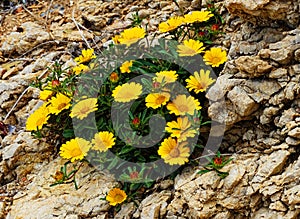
column 223, row 84
column 279, row 73
column 252, row 66
column 294, row 70
column 208, row 210
column 295, row 133
column 11, row 150
column 268, row 114
column 287, row 116
column 292, row 195
column 153, row 204
column 264, row 53
column 244, row 105
column 282, row 56
column 21, row 42
column 278, row 206
column 270, row 165
column 297, row 55
column 291, row 89
column 266, row 10
column 266, row 214
column 292, row 141
column 2, row 209
column 260, row 90
column 223, row 215
column 235, row 175
column 183, row 4
column 126, row 211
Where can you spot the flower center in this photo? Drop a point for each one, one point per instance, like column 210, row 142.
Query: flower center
column 175, row 152
column 61, row 106
column 84, row 110
column 40, row 121
column 216, row 59
column 76, row 152
column 119, row 198
column 160, row 99
column 183, row 108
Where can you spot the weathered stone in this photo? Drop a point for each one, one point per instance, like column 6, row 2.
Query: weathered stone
column 252, row 66
column 283, row 56
column 292, row 141
column 278, row 206
column 264, row 9
column 152, row 206
column 243, row 103
column 295, row 133
column 126, row 211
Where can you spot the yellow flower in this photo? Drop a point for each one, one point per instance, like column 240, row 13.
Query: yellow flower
column 125, row 68
column 200, row 81
column 183, row 105
column 80, row 68
column 190, row 48
column 45, row 94
column 170, row 24
column 75, row 149
column 116, row 196
column 37, row 119
column 127, row 92
column 103, row 141
column 181, row 129
column 174, row 152
column 87, row 55
column 59, row 103
column 131, row 35
column 156, row 100
column 84, row 107
column 166, row 77
column 197, row 16
column 215, row 57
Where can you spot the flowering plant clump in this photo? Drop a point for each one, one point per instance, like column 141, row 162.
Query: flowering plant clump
column 139, row 114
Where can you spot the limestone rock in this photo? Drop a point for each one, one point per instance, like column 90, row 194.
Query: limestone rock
column 295, row 133
column 243, row 103
column 252, row 66
column 20, row 42
column 264, row 9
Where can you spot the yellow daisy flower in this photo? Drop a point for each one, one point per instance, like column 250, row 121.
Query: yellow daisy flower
column 170, row 24
column 131, row 35
column 59, row 103
column 155, row 100
column 125, row 68
column 190, row 48
column 197, row 16
column 75, row 149
column 127, row 92
column 116, row 196
column 181, row 129
column 80, row 68
column 45, row 94
column 166, row 77
column 200, row 81
column 103, row 141
column 174, row 152
column 215, row 57
column 37, row 119
column 183, row 105
column 87, row 55
column 84, row 107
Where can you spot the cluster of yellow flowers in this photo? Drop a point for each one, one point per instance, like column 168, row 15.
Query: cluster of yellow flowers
column 171, row 150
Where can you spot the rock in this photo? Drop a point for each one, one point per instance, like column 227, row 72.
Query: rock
column 235, row 175
column 20, row 42
column 279, row 73
column 126, row 211
column 270, row 165
column 282, row 56
column 266, row 10
column 292, row 195
column 295, row 133
column 252, row 66
column 278, row 206
column 243, row 103
column 292, row 141
column 261, row 90
column 61, row 199
column 154, row 206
